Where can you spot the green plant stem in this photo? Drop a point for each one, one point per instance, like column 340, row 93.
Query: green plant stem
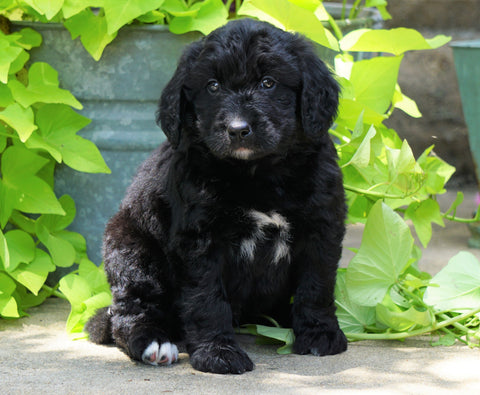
column 456, row 324
column 272, row 320
column 242, row 331
column 336, row 29
column 419, row 301
column 339, row 136
column 404, row 335
column 375, row 194
column 355, row 9
column 461, row 220
column 54, row 292
column 344, row 9
column 12, row 136
column 228, row 4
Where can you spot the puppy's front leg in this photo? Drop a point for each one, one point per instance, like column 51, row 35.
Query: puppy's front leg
column 314, row 322
column 142, row 313
column 208, row 326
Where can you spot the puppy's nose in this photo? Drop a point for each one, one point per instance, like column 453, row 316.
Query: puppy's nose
column 239, row 130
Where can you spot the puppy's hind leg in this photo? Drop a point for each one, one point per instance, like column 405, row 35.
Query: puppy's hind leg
column 99, row 327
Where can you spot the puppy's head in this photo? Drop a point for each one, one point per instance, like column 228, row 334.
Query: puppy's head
column 249, row 90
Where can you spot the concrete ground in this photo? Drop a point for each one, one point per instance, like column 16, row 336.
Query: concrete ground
column 37, row 356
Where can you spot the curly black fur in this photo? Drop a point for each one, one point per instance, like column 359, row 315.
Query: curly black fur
column 242, row 208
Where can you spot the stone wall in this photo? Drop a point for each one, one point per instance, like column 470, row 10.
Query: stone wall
column 429, row 78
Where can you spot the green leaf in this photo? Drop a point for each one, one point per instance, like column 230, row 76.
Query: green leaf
column 4, row 253
column 19, row 62
column 42, row 87
column 10, row 51
column 3, row 139
column 56, row 223
column 35, row 196
column 382, row 258
column 34, row 274
column 8, row 305
column 374, row 81
column 58, row 125
column 21, row 248
column 80, row 314
column 92, row 30
column 73, row 7
column 405, row 104
column 25, row 299
column 209, row 15
column 20, row 188
column 75, row 288
column 448, row 339
column 352, row 317
column 49, row 8
column 283, row 335
column 7, row 285
column 50, row 231
column 119, row 13
column 152, row 17
column 20, row 119
column 422, row 215
column 62, row 252
column 19, row 162
column 458, row 283
column 437, row 171
column 87, row 292
column 401, row 161
column 381, row 7
column 29, row 38
column 178, row 8
column 6, row 97
column 350, row 110
column 77, row 241
column 400, row 320
column 290, row 17
column 95, row 275
column 361, row 152
column 394, row 41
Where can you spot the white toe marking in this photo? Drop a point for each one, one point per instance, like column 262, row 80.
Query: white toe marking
column 165, row 354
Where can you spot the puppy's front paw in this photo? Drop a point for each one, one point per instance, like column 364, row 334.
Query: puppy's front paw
column 320, row 343
column 164, row 354
column 221, row 358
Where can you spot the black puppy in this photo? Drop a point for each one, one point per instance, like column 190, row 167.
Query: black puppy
column 242, row 208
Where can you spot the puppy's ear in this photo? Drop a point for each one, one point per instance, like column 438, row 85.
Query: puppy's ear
column 171, row 109
column 319, row 96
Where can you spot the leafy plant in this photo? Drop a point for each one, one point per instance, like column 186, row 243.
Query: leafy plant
column 382, row 293
column 37, row 129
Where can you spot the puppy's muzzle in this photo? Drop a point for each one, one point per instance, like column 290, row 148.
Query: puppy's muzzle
column 239, row 131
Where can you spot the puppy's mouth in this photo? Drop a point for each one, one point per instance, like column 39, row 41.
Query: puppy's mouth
column 242, row 153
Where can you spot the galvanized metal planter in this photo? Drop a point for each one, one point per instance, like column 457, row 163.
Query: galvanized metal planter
column 120, row 94
column 466, row 55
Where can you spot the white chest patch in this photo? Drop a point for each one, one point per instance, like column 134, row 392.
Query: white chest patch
column 263, row 221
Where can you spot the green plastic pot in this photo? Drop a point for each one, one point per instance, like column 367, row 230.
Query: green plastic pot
column 466, row 55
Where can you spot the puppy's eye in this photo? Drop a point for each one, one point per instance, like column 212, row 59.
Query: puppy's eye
column 213, row 86
column 267, row 83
